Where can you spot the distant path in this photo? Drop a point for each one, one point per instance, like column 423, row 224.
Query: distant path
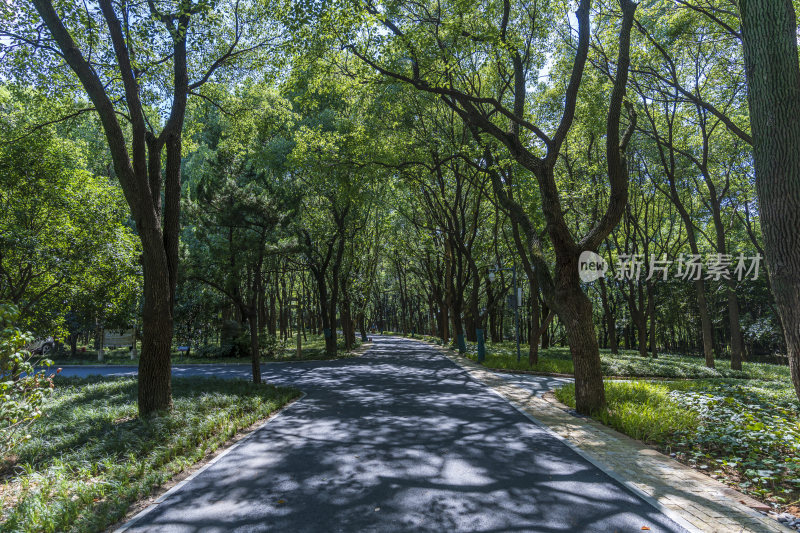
column 398, row 439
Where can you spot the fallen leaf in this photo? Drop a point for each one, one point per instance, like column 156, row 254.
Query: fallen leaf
column 645, row 528
column 281, row 502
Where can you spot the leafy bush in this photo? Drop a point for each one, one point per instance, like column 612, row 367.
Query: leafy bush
column 22, row 387
column 240, row 348
column 210, row 351
column 269, row 345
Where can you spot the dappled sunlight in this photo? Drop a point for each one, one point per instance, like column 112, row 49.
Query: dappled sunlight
column 538, row 385
column 399, row 440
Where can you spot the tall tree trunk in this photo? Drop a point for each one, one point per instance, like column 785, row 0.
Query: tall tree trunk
column 347, row 326
column 271, row 311
column 73, row 344
column 362, row 326
column 534, row 327
column 155, row 365
column 533, row 287
column 737, row 342
column 325, row 316
column 331, row 339
column 638, row 316
column 575, row 312
column 769, row 36
column 705, row 323
column 252, row 320
column 651, row 312
column 545, row 330
column 610, row 317
column 444, row 321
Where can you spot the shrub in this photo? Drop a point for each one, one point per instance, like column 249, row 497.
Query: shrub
column 213, row 352
column 22, row 387
column 269, row 345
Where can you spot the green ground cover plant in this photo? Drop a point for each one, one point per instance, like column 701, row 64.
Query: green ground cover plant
column 743, row 432
column 90, row 457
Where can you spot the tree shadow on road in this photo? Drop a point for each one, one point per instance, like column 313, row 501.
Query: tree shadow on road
column 400, row 440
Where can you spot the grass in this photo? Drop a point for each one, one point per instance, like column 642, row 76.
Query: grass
column 641, row 410
column 627, row 363
column 90, row 457
column 313, row 350
column 743, row 432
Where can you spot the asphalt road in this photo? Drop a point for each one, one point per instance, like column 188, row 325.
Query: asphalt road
column 399, row 439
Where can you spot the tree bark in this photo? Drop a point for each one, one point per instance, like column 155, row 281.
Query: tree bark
column 773, row 78
column 576, row 314
column 610, row 317
column 155, row 365
column 252, row 320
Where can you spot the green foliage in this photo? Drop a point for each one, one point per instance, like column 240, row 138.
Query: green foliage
column 65, row 242
column 91, row 457
column 644, row 411
column 23, row 388
column 627, row 363
column 745, row 433
column 211, row 351
column 503, row 356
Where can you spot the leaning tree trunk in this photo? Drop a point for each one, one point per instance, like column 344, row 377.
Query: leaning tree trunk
column 773, row 78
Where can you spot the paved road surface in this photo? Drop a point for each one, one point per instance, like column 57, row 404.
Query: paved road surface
column 398, row 439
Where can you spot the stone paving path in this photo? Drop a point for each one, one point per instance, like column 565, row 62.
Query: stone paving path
column 685, row 495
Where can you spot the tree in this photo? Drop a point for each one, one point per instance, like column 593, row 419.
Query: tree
column 235, row 210
column 135, row 62
column 497, row 111
column 64, row 231
column 330, row 161
column 773, row 77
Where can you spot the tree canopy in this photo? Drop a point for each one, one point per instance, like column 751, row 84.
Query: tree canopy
column 351, row 166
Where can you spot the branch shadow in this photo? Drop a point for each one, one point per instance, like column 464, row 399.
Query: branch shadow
column 399, row 439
